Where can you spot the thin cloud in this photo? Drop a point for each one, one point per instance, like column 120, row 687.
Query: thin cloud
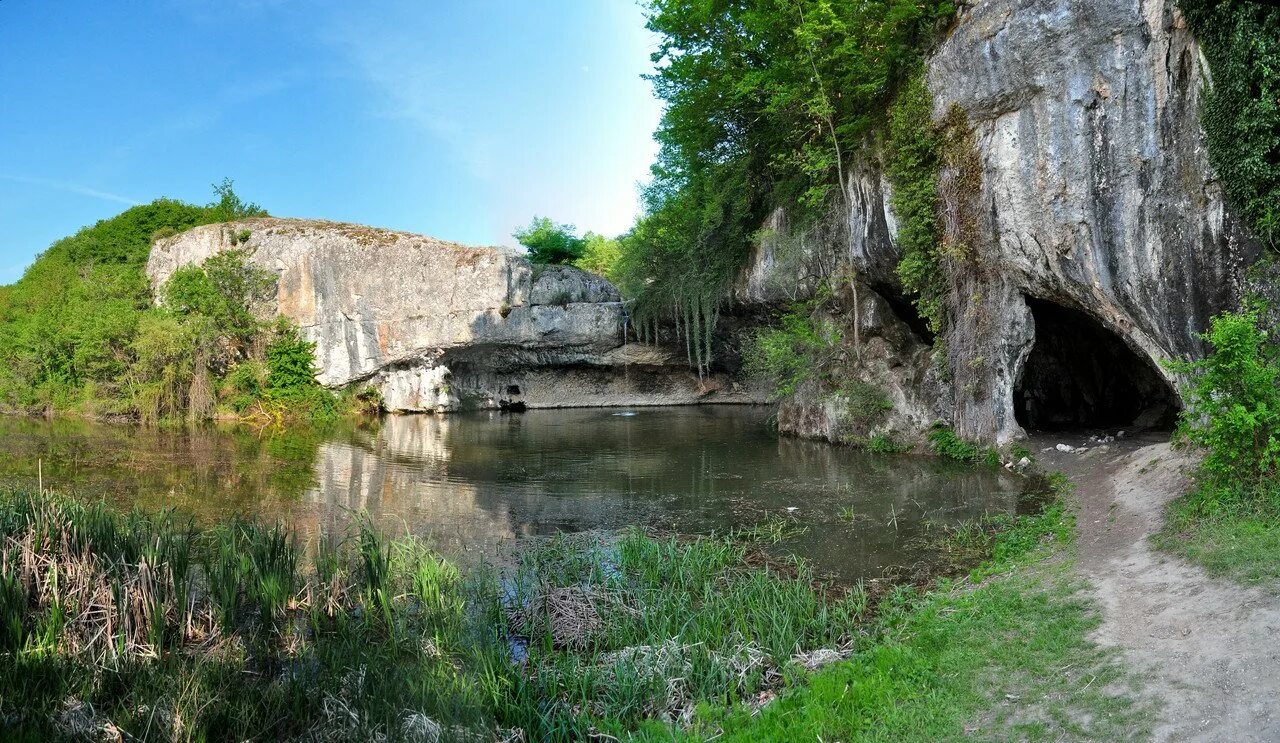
column 70, row 188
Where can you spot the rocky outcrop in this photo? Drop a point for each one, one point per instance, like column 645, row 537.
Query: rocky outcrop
column 1095, row 196
column 439, row 326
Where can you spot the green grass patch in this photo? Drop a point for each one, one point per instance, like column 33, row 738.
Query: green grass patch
column 1001, row 654
column 1244, row 547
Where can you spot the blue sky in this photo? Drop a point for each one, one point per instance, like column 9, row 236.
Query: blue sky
column 460, row 120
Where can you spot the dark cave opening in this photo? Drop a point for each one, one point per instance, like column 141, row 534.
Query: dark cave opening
column 906, row 311
column 1081, row 375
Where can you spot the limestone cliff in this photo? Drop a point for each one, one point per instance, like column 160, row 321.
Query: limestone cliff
column 440, row 326
column 1096, row 207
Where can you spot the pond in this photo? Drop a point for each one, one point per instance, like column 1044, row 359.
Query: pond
column 474, row 482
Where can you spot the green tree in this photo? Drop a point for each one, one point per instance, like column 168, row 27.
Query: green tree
column 551, row 243
column 766, row 101
column 600, row 255
column 224, row 289
column 77, row 330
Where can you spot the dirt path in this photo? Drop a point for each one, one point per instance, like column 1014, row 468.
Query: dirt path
column 1212, row 647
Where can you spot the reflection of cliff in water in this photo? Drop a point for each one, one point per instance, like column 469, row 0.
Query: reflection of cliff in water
column 474, row 481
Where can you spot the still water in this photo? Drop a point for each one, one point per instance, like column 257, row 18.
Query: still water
column 473, row 482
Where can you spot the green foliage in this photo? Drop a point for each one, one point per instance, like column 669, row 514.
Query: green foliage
column 68, row 327
column 223, row 289
column 1230, row 521
column 765, row 101
column 867, row 403
column 1233, row 413
column 244, row 384
column 551, row 243
column 913, row 170
column 1241, row 116
column 945, row 443
column 291, row 386
column 230, row 207
column 883, row 443
column 165, row 350
column 600, row 255
column 290, row 360
column 787, row 354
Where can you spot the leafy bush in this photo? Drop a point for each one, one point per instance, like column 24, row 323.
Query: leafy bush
column 867, row 403
column 551, row 243
column 291, row 375
column 224, row 289
column 945, row 443
column 245, row 384
column 1233, row 412
column 883, row 443
column 600, row 255
column 69, row 327
column 785, row 354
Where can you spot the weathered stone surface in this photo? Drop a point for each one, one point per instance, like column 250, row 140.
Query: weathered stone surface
column 1095, row 194
column 889, row 359
column 438, row 326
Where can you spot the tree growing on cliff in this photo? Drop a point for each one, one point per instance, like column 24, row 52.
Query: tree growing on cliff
column 767, row 102
column 549, row 242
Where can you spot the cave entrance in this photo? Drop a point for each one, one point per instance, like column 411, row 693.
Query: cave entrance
column 1081, row 375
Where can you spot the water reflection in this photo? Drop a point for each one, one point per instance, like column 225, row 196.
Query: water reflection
column 472, row 482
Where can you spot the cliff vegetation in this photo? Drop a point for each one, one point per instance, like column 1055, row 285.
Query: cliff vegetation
column 765, row 105
column 80, row 332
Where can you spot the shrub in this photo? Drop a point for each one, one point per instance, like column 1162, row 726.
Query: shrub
column 785, row 354
column 868, row 404
column 551, row 243
column 224, row 289
column 600, row 255
column 291, row 375
column 945, row 443
column 78, row 330
column 245, row 384
column 1233, row 411
column 883, row 443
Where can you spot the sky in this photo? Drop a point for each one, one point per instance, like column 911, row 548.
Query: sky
column 457, row 119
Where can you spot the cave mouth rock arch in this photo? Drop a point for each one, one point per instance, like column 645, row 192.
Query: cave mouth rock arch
column 1080, row 375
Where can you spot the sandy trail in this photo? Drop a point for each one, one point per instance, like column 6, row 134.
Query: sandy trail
column 1209, row 645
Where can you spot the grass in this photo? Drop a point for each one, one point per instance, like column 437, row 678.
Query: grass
column 1001, row 654
column 148, row 626
column 1242, row 544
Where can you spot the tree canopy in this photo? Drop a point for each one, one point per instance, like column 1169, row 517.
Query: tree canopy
column 766, row 101
column 551, row 243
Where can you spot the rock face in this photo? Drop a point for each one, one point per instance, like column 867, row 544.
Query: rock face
column 1096, row 199
column 439, row 326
